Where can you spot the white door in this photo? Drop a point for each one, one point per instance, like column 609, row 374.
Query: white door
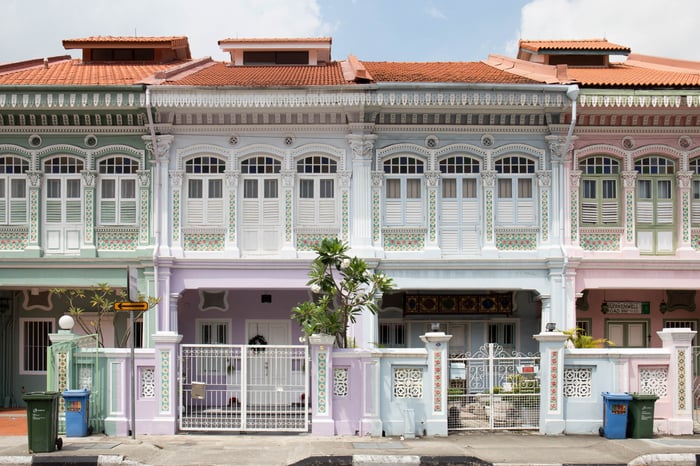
column 63, row 214
column 459, row 217
column 261, row 217
column 269, row 369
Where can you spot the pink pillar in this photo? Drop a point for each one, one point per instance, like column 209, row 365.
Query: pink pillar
column 680, row 377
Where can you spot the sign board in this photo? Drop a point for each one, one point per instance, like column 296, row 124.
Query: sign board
column 131, row 306
column 627, row 307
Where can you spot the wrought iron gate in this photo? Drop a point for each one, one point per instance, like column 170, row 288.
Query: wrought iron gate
column 244, row 388
column 492, row 389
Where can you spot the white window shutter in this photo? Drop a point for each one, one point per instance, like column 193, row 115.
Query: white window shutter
column 645, row 212
column 74, row 211
column 327, row 213
column 127, row 214
column 664, row 212
column 215, row 212
column 195, row 211
column 610, row 212
column 108, row 211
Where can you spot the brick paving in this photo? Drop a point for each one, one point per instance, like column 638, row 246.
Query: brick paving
column 13, row 421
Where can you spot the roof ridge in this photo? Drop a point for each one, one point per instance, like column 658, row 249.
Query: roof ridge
column 12, row 67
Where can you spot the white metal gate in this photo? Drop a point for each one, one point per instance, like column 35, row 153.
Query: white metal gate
column 492, row 389
column 244, row 388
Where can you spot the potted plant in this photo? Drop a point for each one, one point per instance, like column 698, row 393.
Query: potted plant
column 342, row 287
column 577, row 338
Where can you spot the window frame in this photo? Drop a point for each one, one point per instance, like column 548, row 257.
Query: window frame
column 108, row 169
column 13, row 169
column 519, row 167
column 653, row 172
column 205, row 171
column 600, row 169
column 403, row 176
column 315, row 175
column 40, row 350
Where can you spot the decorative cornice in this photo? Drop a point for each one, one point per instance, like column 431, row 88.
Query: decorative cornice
column 449, row 98
column 651, row 100
column 73, row 100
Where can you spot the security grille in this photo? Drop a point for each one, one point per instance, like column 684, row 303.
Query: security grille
column 492, row 389
column 244, row 388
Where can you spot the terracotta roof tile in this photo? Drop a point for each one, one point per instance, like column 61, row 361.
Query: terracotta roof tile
column 74, row 72
column 622, row 75
column 440, row 72
column 108, row 41
column 293, row 40
column 598, row 45
column 221, row 74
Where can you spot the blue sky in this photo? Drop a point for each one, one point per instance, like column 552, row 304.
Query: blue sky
column 373, row 30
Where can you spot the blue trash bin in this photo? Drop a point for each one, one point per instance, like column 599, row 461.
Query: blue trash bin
column 77, row 403
column 615, row 415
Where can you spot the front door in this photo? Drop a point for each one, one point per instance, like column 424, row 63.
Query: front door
column 268, row 367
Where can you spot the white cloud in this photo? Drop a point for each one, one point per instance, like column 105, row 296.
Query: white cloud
column 650, row 27
column 432, row 11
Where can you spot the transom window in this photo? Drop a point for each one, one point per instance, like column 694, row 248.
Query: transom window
column 261, row 165
column 63, row 165
column 600, row 203
column 205, row 165
column 459, row 164
column 654, row 166
column 514, row 164
column 403, row 165
column 317, row 164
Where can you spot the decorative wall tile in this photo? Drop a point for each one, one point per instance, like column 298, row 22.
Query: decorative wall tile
column 600, row 241
column 117, row 239
column 404, row 241
column 13, row 239
column 408, row 382
column 147, row 382
column 340, row 382
column 514, row 241
column 654, row 381
column 204, row 241
column 165, row 381
column 578, row 382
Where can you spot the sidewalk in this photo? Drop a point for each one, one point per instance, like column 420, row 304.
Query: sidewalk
column 474, row 448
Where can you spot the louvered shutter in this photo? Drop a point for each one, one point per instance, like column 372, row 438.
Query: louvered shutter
column 645, row 212
column 108, row 211
column 54, row 211
column 664, row 212
column 327, row 211
column 74, row 211
column 589, row 212
column 610, row 212
column 505, row 211
column 195, row 211
column 3, row 210
column 127, row 212
column 526, row 212
column 271, row 211
column 695, row 211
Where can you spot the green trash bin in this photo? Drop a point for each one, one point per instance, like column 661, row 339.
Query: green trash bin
column 42, row 421
column 640, row 421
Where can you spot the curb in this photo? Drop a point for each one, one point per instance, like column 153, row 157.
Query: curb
column 77, row 460
column 669, row 459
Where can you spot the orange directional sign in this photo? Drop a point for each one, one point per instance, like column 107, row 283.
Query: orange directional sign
column 131, row 306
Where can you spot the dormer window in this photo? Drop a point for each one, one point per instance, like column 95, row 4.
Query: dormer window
column 276, row 58
column 108, row 49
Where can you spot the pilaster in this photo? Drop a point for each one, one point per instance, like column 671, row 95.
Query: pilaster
column 437, row 344
column 552, row 420
column 165, row 419
column 321, row 385
column 679, row 342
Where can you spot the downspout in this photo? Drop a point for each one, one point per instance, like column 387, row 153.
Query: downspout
column 572, row 93
column 156, row 201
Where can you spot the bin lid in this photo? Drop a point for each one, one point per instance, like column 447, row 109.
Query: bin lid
column 40, row 396
column 617, row 396
column 644, row 396
column 78, row 392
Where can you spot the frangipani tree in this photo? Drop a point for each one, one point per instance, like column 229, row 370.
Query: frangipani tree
column 343, row 287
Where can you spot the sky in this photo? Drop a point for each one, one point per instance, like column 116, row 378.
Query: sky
column 372, row 30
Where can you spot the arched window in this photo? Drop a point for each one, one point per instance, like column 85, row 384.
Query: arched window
column 459, row 207
column 515, row 200
column 655, row 204
column 600, row 181
column 118, row 193
column 13, row 190
column 205, row 191
column 63, row 210
column 403, row 195
column 316, row 197
column 261, row 210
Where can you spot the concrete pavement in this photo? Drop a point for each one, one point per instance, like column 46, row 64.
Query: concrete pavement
column 466, row 448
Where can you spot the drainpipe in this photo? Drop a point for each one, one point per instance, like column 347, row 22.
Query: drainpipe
column 572, row 93
column 156, row 200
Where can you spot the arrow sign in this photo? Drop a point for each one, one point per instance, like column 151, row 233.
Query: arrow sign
column 131, row 306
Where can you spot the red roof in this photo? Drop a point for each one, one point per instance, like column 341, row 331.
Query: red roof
column 122, row 41
column 597, row 45
column 623, row 75
column 74, row 72
column 221, row 74
column 440, row 72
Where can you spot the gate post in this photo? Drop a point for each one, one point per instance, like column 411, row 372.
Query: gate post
column 165, row 421
column 322, row 422
column 437, row 344
column 678, row 342
column 552, row 420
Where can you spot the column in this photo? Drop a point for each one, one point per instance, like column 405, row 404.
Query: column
column 552, row 421
column 680, row 378
column 432, row 183
column 87, row 248
column 685, row 180
column 322, row 423
column 362, row 147
column 35, row 213
column 161, row 195
column 628, row 240
column 488, row 182
column 165, row 420
column 371, row 422
column 437, row 344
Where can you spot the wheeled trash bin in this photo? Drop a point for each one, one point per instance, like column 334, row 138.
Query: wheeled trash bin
column 77, row 409
column 42, row 422
column 615, row 415
column 640, row 420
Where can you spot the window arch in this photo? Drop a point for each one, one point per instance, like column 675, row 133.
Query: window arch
column 205, row 191
column 515, row 201
column 599, row 191
column 403, row 194
column 316, row 196
column 118, row 190
column 13, row 190
column 655, row 204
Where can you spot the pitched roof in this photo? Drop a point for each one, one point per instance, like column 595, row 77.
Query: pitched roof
column 440, row 72
column 625, row 75
column 169, row 42
column 589, row 45
column 221, row 74
column 70, row 72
